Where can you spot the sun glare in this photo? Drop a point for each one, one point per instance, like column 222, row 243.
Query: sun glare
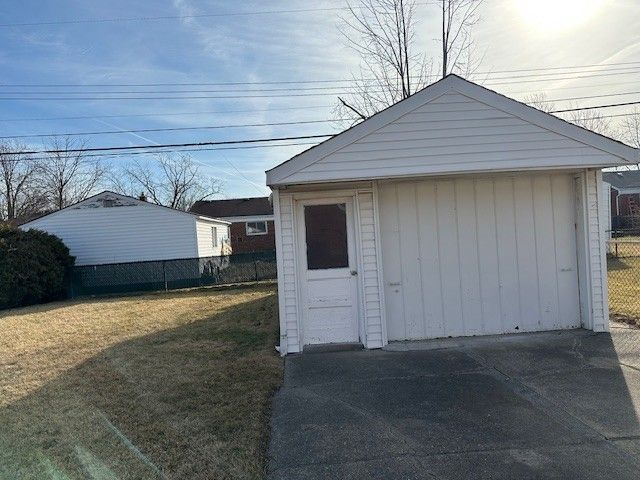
column 557, row 15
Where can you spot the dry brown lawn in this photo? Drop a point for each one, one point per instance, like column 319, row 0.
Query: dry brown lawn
column 171, row 385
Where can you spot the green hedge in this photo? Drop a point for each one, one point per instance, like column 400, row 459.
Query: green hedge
column 34, row 267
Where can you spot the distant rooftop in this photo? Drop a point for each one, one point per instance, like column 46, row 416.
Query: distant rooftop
column 235, row 207
column 623, row 179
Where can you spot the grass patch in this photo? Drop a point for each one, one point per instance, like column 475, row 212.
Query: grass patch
column 171, row 385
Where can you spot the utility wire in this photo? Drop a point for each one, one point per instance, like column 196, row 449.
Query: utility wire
column 250, row 125
column 275, row 109
column 167, row 145
column 284, row 95
column 592, row 107
column 289, row 82
column 173, row 129
column 263, row 90
column 161, row 114
column 177, row 17
column 169, row 150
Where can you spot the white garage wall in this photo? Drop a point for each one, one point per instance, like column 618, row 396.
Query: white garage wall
column 479, row 256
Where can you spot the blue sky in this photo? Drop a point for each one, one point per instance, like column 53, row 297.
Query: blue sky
column 513, row 34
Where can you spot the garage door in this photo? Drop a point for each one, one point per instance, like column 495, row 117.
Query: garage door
column 479, row 256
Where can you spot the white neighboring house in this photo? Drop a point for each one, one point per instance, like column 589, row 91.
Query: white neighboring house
column 455, row 212
column 113, row 228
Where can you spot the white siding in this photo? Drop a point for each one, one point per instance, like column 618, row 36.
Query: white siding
column 368, row 250
column 477, row 256
column 452, row 126
column 287, row 278
column 205, row 237
column 597, row 250
column 122, row 234
column 452, row 133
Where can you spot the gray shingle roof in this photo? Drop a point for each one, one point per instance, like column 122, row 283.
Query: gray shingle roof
column 623, row 179
column 235, row 207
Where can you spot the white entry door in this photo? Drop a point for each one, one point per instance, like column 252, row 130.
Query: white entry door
column 328, row 271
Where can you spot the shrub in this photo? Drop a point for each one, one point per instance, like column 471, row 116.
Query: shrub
column 34, row 267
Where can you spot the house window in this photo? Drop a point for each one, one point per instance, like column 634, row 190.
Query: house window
column 256, row 228
column 214, row 237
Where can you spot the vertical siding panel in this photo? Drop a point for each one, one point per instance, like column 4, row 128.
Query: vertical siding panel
column 468, row 252
column 565, row 246
column 527, row 260
column 368, row 260
column 289, row 277
column 448, row 253
column 507, row 252
column 546, row 252
column 391, row 261
column 409, row 241
column 488, row 257
column 430, row 261
column 597, row 256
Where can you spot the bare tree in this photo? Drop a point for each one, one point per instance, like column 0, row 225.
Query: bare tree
column 176, row 181
column 393, row 67
column 68, row 175
column 630, row 128
column 591, row 120
column 540, row 101
column 19, row 191
column 383, row 34
column 458, row 19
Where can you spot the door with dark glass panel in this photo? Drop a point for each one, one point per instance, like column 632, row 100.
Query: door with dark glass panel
column 328, row 271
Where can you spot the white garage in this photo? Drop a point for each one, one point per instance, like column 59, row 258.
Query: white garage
column 455, row 212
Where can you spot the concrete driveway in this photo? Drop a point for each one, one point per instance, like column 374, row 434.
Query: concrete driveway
column 539, row 406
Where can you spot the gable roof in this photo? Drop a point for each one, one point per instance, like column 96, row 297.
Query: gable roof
column 126, row 199
column 234, row 207
column 464, row 127
column 623, row 179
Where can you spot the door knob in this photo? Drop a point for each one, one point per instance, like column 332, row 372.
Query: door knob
column 353, row 272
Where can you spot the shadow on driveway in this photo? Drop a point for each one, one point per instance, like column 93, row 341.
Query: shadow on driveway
column 539, row 406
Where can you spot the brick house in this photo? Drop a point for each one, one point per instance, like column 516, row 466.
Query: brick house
column 252, row 228
column 624, row 201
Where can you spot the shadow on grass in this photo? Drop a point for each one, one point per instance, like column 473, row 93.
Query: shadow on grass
column 190, row 402
column 617, row 263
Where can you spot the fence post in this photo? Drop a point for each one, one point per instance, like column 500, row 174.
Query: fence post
column 71, row 279
column 164, row 275
column 255, row 264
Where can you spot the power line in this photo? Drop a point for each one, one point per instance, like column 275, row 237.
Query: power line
column 289, row 82
column 183, row 97
column 171, row 150
column 177, row 17
column 167, row 145
column 284, row 95
column 262, row 90
column 162, row 114
column 250, row 125
column 275, row 109
column 588, row 97
column 172, row 129
column 592, row 107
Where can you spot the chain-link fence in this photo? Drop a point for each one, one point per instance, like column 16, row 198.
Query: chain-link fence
column 171, row 274
column 623, row 265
